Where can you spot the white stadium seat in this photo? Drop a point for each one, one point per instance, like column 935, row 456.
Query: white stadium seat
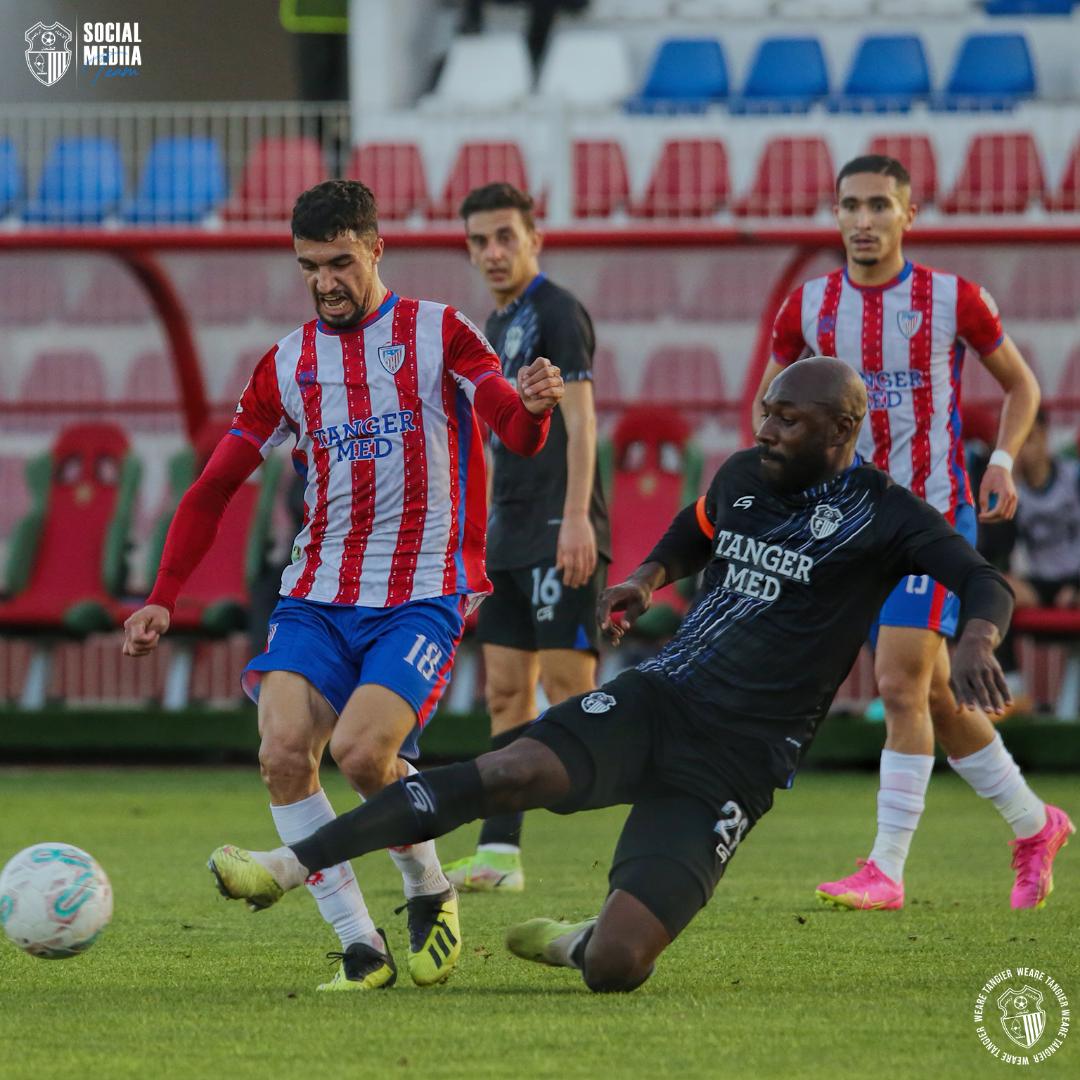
column 820, row 9
column 486, row 71
column 587, row 67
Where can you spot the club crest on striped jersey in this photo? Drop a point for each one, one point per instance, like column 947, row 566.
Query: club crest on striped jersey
column 392, row 357
column 909, row 322
column 826, row 521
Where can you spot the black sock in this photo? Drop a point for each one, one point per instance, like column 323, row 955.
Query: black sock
column 577, row 955
column 415, row 809
column 504, row 828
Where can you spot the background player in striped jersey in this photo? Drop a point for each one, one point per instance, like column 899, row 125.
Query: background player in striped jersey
column 379, row 393
column 548, row 536
column 904, row 327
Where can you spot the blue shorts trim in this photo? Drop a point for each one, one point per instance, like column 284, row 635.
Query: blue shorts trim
column 920, row 602
column 408, row 648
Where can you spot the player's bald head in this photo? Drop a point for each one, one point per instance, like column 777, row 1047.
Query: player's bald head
column 823, row 381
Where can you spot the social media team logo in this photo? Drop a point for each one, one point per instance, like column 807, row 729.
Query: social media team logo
column 1022, row 1016
column 48, row 52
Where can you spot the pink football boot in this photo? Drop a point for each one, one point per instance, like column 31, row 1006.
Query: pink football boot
column 1033, row 859
column 868, row 889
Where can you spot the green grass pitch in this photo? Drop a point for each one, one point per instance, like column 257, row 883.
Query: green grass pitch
column 764, row 982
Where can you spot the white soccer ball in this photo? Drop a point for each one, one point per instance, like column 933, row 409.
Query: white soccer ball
column 54, row 900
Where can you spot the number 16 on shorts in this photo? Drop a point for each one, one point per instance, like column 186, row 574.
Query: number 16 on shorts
column 425, row 656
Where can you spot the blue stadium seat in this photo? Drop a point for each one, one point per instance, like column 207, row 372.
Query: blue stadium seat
column 888, row 74
column 687, row 75
column 82, row 181
column 992, row 71
column 786, row 75
column 1029, row 7
column 11, row 184
column 183, row 179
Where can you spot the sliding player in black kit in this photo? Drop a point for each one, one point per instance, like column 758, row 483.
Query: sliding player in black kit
column 801, row 543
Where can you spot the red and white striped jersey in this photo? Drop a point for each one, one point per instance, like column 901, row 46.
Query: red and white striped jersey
column 387, row 440
column 906, row 338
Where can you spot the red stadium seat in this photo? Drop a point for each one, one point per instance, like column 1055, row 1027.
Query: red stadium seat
column 58, row 388
column 916, row 154
column 66, row 562
column 112, row 295
column 23, row 302
column 690, row 179
column 479, row 163
column 600, row 182
column 795, row 178
column 395, row 173
column 216, row 596
column 64, row 376
column 1002, row 174
column 151, row 395
column 1067, row 196
column 635, row 285
column 226, row 288
column 656, row 472
column 275, row 174
column 686, row 376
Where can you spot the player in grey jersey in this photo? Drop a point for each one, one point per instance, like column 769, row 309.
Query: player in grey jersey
column 698, row 743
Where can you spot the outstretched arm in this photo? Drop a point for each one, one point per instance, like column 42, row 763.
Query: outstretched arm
column 190, row 535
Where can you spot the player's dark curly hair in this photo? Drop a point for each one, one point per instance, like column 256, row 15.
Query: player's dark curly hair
column 878, row 164
column 499, row 196
column 334, row 207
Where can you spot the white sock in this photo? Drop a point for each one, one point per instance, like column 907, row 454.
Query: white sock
column 421, row 871
column 994, row 775
column 901, row 800
column 335, row 890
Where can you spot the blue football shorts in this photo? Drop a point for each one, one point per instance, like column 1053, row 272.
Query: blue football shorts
column 922, row 603
column 408, row 648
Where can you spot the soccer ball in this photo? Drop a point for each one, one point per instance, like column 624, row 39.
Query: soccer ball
column 54, row 900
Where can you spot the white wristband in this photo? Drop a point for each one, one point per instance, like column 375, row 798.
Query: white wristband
column 1002, row 458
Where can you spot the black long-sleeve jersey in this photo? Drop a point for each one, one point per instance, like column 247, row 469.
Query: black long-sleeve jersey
column 794, row 582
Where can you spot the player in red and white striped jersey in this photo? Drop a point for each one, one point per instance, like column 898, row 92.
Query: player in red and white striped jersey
column 905, row 328
column 381, row 395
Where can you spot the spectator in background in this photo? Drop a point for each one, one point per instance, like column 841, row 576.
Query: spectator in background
column 542, row 14
column 1047, row 524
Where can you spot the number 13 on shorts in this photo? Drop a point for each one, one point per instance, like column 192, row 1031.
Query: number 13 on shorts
column 425, row 656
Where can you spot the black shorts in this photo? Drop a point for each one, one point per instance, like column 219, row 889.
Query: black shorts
column 1047, row 588
column 695, row 795
column 532, row 609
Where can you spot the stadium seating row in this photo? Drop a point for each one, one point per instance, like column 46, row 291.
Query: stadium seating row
column 760, row 10
column 62, row 384
column 888, row 73
column 183, row 180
